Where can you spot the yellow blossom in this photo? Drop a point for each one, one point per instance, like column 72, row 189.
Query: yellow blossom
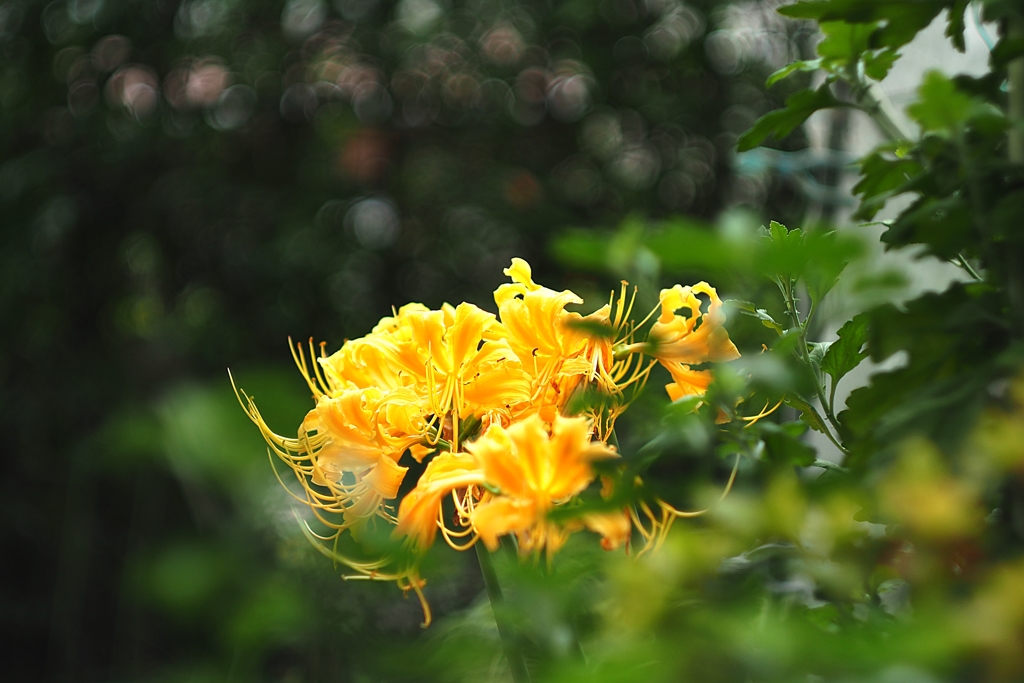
column 484, row 397
column 559, row 349
column 533, row 470
column 692, row 337
column 683, row 335
column 418, row 516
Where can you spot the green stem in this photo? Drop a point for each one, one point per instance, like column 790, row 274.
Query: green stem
column 876, row 104
column 516, row 663
column 962, row 262
column 826, row 404
column 832, row 395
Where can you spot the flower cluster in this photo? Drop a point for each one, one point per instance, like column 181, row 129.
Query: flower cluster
column 490, row 403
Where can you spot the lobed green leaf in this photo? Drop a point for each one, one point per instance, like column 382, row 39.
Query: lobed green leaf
column 847, row 351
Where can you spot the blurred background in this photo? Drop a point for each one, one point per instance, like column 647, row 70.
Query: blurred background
column 184, row 185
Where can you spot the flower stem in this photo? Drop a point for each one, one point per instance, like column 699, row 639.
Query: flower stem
column 516, row 663
column 802, row 354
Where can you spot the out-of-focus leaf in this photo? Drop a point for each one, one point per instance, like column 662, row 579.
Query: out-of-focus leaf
column 830, row 466
column 783, row 445
column 880, row 177
column 943, row 382
column 899, row 20
column 847, row 351
column 946, row 225
column 815, row 257
column 955, row 23
column 683, row 245
column 940, row 105
column 748, row 308
column 779, row 372
column 789, row 69
column 585, row 399
column 1005, row 217
column 844, row 42
column 583, row 249
column 781, row 122
column 878, row 64
column 275, row 613
column 184, row 577
column 1006, row 50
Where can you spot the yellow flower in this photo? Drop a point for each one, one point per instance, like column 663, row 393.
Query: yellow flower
column 533, row 471
column 686, row 382
column 614, row 527
column 561, row 350
column 535, row 318
column 508, row 482
column 692, row 337
column 683, row 335
column 420, row 511
column 425, row 380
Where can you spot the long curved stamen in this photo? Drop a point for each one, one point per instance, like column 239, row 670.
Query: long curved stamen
column 317, row 367
column 697, row 513
column 752, row 419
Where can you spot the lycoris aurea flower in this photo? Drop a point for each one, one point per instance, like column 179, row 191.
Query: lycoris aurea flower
column 486, row 400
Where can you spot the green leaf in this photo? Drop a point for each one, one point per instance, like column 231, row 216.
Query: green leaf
column 816, row 257
column 816, row 351
column 783, row 445
column 953, row 341
column 878, row 64
column 955, row 24
column 830, row 466
column 1004, row 219
column 580, row 248
column 687, row 245
column 748, row 308
column 881, row 177
column 803, row 65
column 899, row 20
column 945, row 225
column 844, row 42
column 940, row 107
column 781, row 122
column 847, row 351
column 595, row 329
column 807, row 413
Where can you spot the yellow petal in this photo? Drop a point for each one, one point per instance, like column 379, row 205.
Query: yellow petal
column 614, row 527
column 466, row 332
column 498, row 516
column 494, row 451
column 686, row 382
column 520, row 272
column 679, row 338
column 418, row 513
column 386, row 477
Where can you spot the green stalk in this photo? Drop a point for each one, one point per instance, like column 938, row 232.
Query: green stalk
column 516, row 663
column 876, row 104
column 826, row 404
